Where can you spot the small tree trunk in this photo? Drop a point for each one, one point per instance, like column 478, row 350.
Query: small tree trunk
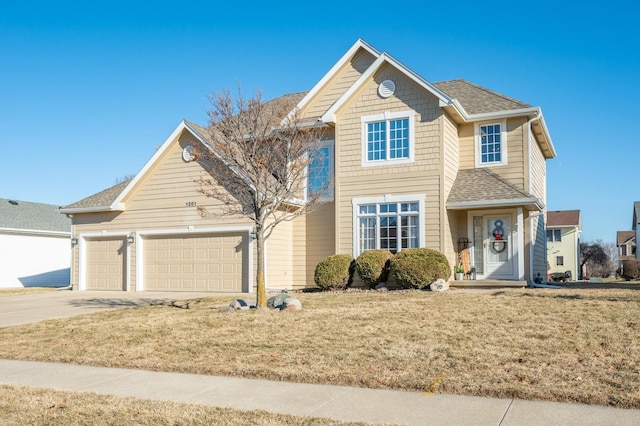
column 261, row 297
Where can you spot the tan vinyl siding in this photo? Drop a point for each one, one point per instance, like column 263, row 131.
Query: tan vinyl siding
column 420, row 177
column 514, row 170
column 313, row 239
column 538, row 171
column 280, row 257
column 451, row 162
column 539, row 248
column 451, row 153
column 338, row 84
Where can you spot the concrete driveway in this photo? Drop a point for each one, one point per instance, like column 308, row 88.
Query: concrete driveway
column 24, row 309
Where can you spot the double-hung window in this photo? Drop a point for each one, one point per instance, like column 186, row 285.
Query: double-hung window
column 389, row 223
column 387, row 138
column 554, row 235
column 491, row 144
column 320, row 171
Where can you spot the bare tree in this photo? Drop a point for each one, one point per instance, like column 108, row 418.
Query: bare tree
column 595, row 259
column 258, row 160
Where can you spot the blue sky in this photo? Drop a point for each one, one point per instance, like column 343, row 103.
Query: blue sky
column 88, row 90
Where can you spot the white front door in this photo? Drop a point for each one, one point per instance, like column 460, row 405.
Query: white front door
column 493, row 246
column 498, row 246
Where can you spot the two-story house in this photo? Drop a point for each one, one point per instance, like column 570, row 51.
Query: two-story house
column 450, row 166
column 563, row 244
column 626, row 244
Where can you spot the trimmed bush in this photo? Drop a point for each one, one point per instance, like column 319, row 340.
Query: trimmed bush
column 372, row 266
column 631, row 269
column 334, row 272
column 419, row 267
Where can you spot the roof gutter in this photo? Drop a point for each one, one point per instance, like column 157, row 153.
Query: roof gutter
column 35, row 232
column 94, row 209
column 536, row 203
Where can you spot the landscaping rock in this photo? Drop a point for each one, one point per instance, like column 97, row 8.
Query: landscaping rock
column 242, row 304
column 277, row 301
column 439, row 285
column 291, row 302
column 382, row 287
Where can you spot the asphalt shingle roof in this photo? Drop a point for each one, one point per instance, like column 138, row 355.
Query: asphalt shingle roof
column 102, row 198
column 28, row 216
column 477, row 99
column 623, row 236
column 484, row 185
column 563, row 218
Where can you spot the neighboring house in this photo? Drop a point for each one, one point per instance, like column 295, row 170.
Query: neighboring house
column 34, row 245
column 563, row 244
column 450, row 166
column 626, row 243
column 636, row 222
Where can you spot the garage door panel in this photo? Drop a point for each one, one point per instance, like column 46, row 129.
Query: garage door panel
column 105, row 263
column 207, row 262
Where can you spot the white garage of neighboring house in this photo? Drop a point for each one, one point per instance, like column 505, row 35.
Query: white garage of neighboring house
column 34, row 245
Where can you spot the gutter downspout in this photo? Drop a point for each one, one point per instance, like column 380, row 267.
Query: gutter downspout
column 531, row 217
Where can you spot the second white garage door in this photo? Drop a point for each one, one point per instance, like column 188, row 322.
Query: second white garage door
column 207, row 262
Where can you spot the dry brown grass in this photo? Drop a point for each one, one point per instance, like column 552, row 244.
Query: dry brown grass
column 25, row 291
column 27, row 406
column 562, row 345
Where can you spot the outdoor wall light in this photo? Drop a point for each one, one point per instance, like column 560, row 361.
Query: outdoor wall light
column 74, row 242
column 130, row 239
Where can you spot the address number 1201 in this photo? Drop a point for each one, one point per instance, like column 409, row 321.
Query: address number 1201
column 191, row 204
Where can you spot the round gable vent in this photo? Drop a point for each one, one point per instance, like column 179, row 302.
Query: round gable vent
column 386, row 88
column 187, row 154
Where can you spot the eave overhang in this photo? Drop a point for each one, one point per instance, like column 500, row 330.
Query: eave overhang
column 531, row 204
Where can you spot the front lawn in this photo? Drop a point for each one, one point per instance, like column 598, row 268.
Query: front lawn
column 570, row 345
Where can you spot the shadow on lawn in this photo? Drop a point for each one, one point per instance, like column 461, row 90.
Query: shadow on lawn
column 119, row 303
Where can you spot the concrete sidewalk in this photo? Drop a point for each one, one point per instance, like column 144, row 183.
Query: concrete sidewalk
column 335, row 402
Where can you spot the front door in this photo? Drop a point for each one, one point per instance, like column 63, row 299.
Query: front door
column 493, row 246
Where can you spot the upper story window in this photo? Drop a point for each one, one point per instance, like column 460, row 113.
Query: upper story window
column 491, row 144
column 320, row 171
column 554, row 235
column 559, row 260
column 388, row 138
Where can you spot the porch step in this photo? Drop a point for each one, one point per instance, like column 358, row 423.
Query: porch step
column 486, row 283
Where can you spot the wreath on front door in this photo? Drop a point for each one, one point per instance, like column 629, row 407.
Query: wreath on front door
column 499, row 245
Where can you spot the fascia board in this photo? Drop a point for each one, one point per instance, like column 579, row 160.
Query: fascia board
column 503, row 114
column 545, row 131
column 34, row 232
column 496, row 203
column 330, row 115
column 94, row 209
column 117, row 203
column 360, row 43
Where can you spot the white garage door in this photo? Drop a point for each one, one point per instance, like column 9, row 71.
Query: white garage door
column 208, row 262
column 106, row 263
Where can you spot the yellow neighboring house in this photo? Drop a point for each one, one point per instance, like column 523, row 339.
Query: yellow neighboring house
column 563, row 244
column 450, row 166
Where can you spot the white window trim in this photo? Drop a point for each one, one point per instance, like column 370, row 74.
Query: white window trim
column 382, row 117
column 409, row 198
column 329, row 195
column 503, row 141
